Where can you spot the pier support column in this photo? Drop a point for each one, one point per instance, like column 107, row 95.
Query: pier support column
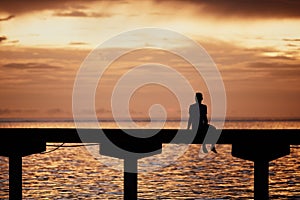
column 131, row 148
column 15, row 146
column 130, row 178
column 261, row 179
column 15, row 177
column 261, row 154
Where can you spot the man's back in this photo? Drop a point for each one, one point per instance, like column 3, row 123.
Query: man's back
column 198, row 116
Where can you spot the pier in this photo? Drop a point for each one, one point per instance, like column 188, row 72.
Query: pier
column 258, row 145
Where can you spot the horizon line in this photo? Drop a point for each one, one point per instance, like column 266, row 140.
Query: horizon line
column 235, row 119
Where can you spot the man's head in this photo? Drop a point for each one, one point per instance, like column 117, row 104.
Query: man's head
column 198, row 97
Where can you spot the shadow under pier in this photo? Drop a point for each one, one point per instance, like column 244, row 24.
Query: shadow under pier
column 260, row 146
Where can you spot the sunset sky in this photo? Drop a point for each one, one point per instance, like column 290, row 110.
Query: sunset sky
column 255, row 45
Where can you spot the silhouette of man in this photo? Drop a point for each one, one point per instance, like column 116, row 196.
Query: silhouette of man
column 198, row 114
column 198, row 118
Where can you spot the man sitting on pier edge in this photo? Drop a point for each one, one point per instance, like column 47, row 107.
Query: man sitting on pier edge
column 198, row 119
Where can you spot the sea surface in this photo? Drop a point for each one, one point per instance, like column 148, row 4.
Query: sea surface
column 73, row 173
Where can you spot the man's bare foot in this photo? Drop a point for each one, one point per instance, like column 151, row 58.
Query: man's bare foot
column 214, row 150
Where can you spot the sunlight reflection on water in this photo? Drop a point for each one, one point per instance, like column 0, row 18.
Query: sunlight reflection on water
column 290, row 124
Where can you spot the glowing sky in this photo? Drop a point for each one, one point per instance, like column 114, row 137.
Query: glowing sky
column 255, row 45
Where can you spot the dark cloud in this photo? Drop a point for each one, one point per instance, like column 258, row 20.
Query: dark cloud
column 79, row 13
column 30, row 66
column 226, row 53
column 66, row 58
column 5, row 111
column 71, row 14
column 224, row 8
column 55, row 111
column 244, row 8
column 277, row 70
column 291, row 45
column 291, row 40
column 78, row 43
column 289, row 74
column 238, row 63
column 17, row 6
column 102, row 110
column 2, row 38
column 14, row 41
column 7, row 18
column 21, row 7
column 273, row 65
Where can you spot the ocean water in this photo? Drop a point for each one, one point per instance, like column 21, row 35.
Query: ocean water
column 72, row 173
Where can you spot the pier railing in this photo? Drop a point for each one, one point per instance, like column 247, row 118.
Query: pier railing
column 260, row 146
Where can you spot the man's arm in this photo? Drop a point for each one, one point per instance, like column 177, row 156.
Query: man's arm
column 205, row 116
column 189, row 123
column 190, row 120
